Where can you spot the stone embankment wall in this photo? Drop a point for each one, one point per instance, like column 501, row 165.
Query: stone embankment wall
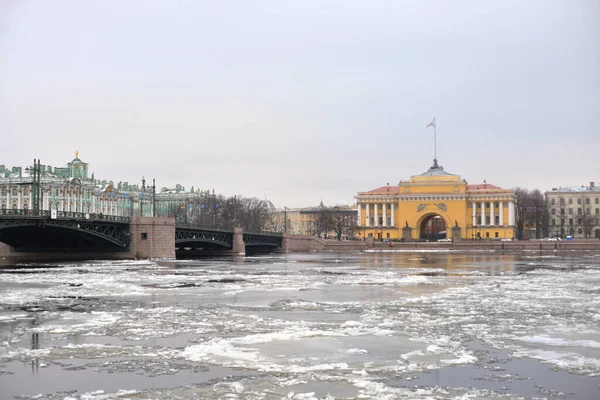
column 301, row 243
column 313, row 243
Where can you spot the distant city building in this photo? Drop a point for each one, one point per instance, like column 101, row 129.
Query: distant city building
column 436, row 205
column 72, row 189
column 292, row 220
column 301, row 221
column 574, row 211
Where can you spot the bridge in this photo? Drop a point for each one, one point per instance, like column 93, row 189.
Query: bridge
column 62, row 232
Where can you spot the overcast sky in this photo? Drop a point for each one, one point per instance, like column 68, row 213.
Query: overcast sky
column 303, row 100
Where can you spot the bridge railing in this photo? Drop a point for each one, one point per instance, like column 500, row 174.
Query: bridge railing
column 203, row 227
column 10, row 213
column 208, row 228
column 264, row 233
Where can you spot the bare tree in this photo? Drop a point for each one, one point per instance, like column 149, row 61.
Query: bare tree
column 532, row 211
column 320, row 221
column 522, row 208
column 538, row 212
column 275, row 222
column 561, row 215
column 342, row 221
column 585, row 218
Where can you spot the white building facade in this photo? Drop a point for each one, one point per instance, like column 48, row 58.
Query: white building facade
column 574, row 211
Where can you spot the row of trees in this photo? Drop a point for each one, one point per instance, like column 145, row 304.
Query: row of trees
column 220, row 212
column 338, row 221
column 531, row 210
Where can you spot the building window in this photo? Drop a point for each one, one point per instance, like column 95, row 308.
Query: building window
column 580, row 231
column 570, row 201
column 587, row 201
column 487, row 220
column 597, row 211
column 552, row 202
column 578, row 221
column 597, row 200
column 553, row 222
column 496, row 234
column 487, row 205
column 144, row 236
column 497, row 220
column 570, row 221
column 14, row 193
column 487, row 234
column 570, row 211
column 553, row 211
column 579, row 200
column 387, row 235
column 579, row 211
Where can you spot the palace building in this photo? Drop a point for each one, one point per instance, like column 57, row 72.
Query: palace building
column 72, row 189
column 436, row 205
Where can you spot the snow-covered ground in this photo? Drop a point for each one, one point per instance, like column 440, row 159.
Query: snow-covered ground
column 304, row 326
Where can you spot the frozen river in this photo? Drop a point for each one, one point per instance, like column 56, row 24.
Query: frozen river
column 304, row 326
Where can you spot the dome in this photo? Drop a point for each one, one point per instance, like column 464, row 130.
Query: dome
column 268, row 205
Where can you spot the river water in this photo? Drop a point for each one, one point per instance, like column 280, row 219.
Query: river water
column 391, row 325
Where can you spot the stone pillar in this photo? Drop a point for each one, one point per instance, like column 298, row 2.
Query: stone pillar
column 384, row 209
column 474, row 207
column 375, row 215
column 393, row 212
column 492, row 222
column 359, row 216
column 406, row 234
column 483, row 213
column 152, row 237
column 239, row 247
column 501, row 206
column 368, row 217
column 511, row 213
column 455, row 233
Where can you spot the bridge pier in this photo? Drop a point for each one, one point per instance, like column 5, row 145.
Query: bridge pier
column 238, row 245
column 152, row 237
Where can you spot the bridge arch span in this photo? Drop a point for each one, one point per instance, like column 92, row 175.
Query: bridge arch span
column 59, row 236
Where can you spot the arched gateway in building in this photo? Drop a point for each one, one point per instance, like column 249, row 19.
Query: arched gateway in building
column 436, row 205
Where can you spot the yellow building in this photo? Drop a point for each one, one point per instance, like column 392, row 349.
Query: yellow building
column 434, row 205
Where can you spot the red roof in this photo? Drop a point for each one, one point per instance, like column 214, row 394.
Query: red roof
column 483, row 186
column 385, row 189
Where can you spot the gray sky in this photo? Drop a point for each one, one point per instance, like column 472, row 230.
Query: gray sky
column 303, row 100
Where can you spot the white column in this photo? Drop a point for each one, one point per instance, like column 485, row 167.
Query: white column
column 492, row 221
column 375, row 215
column 474, row 207
column 393, row 223
column 368, row 217
column 483, row 213
column 359, row 210
column 501, row 205
column 511, row 213
column 384, row 209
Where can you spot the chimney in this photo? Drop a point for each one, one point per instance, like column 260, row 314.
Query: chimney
column 591, row 184
column 388, row 186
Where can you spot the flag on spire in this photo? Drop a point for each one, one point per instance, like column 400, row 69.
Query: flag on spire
column 432, row 123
